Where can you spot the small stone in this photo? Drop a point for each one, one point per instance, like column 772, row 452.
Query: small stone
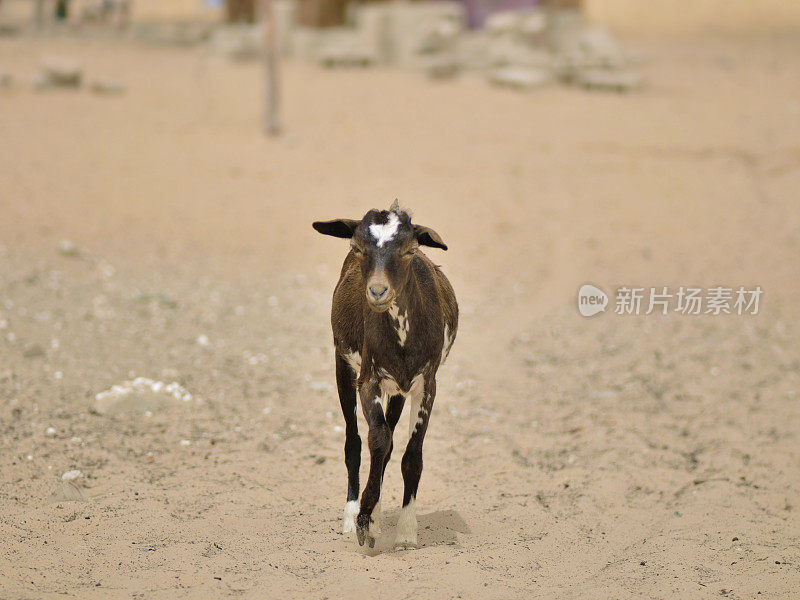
column 108, row 88
column 71, row 475
column 67, row 248
column 344, row 54
column 609, row 80
column 61, row 72
column 34, row 351
column 140, row 395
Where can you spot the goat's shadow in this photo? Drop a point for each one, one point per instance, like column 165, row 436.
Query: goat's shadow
column 434, row 529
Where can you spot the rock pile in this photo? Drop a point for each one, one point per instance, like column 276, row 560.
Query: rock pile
column 140, row 395
column 520, row 49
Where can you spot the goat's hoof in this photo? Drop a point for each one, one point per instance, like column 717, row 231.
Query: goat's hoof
column 405, row 545
column 364, row 524
column 364, row 536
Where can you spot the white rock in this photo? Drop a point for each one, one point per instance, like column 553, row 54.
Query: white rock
column 140, row 395
column 609, row 80
column 107, row 87
column 520, row 78
column 71, row 475
column 64, row 72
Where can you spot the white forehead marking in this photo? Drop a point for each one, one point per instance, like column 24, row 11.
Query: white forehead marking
column 384, row 233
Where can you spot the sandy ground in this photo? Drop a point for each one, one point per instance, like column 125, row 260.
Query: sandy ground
column 612, row 457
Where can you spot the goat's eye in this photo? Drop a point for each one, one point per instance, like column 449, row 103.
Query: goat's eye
column 410, row 253
column 357, row 251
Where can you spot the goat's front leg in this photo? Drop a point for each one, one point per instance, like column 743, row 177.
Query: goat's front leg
column 346, row 382
column 421, row 398
column 379, row 440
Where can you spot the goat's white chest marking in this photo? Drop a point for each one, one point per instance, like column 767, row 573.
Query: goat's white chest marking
column 402, row 326
column 353, row 359
column 384, row 233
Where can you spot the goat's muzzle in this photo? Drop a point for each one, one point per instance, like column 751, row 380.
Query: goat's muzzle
column 379, row 296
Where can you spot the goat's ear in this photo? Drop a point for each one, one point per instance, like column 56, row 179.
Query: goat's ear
column 428, row 237
column 341, row 228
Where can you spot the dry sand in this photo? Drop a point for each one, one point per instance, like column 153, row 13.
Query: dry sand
column 612, row 457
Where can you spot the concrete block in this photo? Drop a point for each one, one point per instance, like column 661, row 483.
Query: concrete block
column 173, row 33
column 520, row 78
column 344, row 47
column 239, row 42
column 509, row 50
column 505, row 22
column 305, row 42
column 106, row 87
column 60, row 72
column 564, row 26
column 372, row 21
column 472, row 50
column 441, row 66
column 609, row 80
column 284, row 13
column 413, row 27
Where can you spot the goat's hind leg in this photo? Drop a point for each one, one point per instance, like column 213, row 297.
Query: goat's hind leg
column 411, row 465
column 380, row 438
column 393, row 411
column 346, row 384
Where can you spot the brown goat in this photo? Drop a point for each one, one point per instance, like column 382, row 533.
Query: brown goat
column 394, row 321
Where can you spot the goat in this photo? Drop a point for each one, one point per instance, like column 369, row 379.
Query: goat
column 394, row 320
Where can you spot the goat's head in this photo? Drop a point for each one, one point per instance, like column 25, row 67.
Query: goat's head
column 384, row 242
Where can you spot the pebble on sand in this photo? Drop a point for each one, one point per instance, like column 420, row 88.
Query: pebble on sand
column 67, row 248
column 71, row 475
column 107, row 88
column 140, row 395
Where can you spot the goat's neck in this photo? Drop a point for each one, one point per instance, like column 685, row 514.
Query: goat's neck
column 407, row 298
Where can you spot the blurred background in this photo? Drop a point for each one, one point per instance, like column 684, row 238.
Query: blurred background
column 168, row 416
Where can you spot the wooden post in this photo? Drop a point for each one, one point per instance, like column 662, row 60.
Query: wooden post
column 271, row 81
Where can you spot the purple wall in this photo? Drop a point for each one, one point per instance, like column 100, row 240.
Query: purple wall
column 478, row 10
